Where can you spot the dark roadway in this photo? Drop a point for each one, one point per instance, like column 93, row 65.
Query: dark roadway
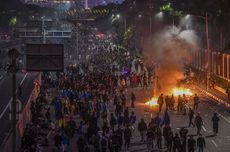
column 27, row 81
column 219, row 143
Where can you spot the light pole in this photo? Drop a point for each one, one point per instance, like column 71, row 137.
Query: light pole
column 150, row 22
column 13, row 55
column 207, row 66
column 118, row 16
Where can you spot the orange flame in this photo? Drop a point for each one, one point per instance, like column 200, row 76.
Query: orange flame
column 152, row 102
column 181, row 91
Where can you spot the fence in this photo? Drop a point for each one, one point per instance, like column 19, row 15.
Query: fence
column 218, row 64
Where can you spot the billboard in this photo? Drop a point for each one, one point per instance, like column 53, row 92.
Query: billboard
column 44, row 57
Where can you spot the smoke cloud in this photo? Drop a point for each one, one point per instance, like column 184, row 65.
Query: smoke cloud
column 169, row 48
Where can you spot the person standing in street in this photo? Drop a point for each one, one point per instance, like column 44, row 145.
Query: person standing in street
column 104, row 143
column 191, row 144
column 166, row 130
column 198, row 123
column 160, row 101
column 142, row 128
column 183, row 135
column 133, row 99
column 57, row 141
column 176, row 143
column 113, row 121
column 215, row 121
column 196, row 102
column 159, row 137
column 81, row 143
column 127, row 136
column 167, row 102
column 191, row 115
column 179, row 104
column 172, row 103
column 169, row 140
column 201, row 143
column 119, row 133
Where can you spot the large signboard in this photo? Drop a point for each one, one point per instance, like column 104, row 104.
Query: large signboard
column 44, row 57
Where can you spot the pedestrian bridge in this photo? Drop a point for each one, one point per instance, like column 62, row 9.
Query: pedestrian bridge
column 48, row 34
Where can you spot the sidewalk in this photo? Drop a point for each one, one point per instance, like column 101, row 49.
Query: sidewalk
column 217, row 95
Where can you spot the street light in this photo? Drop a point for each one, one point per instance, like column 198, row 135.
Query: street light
column 118, row 16
column 150, row 22
column 159, row 15
column 13, row 68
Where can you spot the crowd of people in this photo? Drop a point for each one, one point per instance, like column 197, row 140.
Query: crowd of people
column 107, row 119
column 35, row 133
column 93, row 106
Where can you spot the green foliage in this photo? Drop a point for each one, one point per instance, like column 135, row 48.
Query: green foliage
column 166, row 8
column 129, row 38
column 179, row 13
column 13, row 21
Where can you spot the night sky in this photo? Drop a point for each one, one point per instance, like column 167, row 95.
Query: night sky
column 10, row 4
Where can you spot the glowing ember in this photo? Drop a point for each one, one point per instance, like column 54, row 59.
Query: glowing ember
column 181, row 91
column 152, row 102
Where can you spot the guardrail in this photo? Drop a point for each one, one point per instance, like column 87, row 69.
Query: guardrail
column 24, row 118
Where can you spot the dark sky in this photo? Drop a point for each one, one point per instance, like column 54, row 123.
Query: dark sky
column 10, row 4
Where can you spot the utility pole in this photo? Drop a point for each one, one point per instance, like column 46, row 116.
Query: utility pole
column 125, row 24
column 150, row 24
column 13, row 55
column 208, row 50
column 43, row 30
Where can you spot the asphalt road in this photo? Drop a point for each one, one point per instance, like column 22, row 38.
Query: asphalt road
column 219, row 143
column 6, row 96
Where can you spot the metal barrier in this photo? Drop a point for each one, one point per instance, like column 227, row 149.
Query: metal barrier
column 219, row 63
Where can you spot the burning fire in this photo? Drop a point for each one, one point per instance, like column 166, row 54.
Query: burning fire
column 181, row 91
column 176, row 92
column 152, row 102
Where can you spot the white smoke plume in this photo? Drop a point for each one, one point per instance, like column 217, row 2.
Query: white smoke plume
column 169, row 48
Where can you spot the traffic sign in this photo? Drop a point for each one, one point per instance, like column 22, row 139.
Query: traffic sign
column 44, row 57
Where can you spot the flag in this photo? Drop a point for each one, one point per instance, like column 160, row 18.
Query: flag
column 166, row 118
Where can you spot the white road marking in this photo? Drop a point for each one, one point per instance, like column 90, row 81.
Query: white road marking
column 204, row 128
column 214, row 110
column 223, row 117
column 2, row 114
column 214, row 143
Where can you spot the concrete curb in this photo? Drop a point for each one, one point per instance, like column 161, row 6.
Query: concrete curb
column 216, row 99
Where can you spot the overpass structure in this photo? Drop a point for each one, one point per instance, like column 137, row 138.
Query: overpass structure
column 45, row 33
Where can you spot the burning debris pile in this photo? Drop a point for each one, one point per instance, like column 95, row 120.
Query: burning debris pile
column 152, row 102
column 175, row 92
column 170, row 50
